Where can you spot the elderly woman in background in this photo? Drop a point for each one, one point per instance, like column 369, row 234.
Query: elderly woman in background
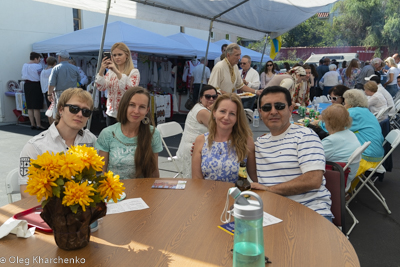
column 341, row 142
column 268, row 73
column 218, row 153
column 196, row 124
column 366, row 128
column 376, row 100
column 350, row 74
column 330, row 79
column 391, row 84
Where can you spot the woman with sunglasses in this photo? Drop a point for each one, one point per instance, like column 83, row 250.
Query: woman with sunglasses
column 120, row 76
column 73, row 111
column 336, row 94
column 131, row 146
column 268, row 74
column 196, row 124
column 218, row 153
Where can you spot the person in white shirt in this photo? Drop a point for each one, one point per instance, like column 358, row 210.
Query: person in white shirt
column 197, row 80
column 396, row 58
column 384, row 92
column 330, row 79
column 225, row 76
column 44, row 81
column 391, row 83
column 376, row 100
column 223, row 49
column 73, row 111
column 32, row 90
column 251, row 78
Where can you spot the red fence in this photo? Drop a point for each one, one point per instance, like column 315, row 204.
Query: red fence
column 305, row 52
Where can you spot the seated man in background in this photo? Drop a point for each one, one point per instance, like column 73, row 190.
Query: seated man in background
column 251, row 78
column 73, row 111
column 290, row 160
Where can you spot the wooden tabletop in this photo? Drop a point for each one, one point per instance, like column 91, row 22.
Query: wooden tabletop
column 180, row 229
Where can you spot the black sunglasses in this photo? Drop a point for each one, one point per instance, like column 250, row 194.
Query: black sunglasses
column 75, row 110
column 208, row 97
column 269, row 65
column 278, row 106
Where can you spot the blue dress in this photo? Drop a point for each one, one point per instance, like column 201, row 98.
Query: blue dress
column 219, row 162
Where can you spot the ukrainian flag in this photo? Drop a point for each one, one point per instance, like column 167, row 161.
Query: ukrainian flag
column 275, row 46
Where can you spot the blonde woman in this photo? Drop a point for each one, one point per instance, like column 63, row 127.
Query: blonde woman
column 120, row 76
column 218, row 153
column 391, row 84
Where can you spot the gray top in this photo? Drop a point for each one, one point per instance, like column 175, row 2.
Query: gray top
column 365, row 72
column 64, row 76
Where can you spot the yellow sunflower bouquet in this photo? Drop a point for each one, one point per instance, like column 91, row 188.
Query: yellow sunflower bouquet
column 73, row 178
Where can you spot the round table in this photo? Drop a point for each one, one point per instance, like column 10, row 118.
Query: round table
column 181, row 229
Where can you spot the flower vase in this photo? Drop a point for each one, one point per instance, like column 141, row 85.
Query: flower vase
column 71, row 230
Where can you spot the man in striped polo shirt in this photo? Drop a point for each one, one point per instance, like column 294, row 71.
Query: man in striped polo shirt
column 290, row 159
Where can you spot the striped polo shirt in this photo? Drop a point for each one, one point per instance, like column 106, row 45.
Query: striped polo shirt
column 287, row 156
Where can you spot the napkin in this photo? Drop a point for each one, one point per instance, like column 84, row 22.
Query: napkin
column 16, row 227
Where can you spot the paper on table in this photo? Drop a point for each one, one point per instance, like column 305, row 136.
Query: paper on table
column 17, row 227
column 268, row 219
column 126, row 205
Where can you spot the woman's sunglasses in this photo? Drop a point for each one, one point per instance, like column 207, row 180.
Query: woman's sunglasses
column 208, row 97
column 278, row 106
column 75, row 110
column 269, row 65
column 335, row 98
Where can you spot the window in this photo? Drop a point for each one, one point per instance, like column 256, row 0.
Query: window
column 227, row 37
column 77, row 19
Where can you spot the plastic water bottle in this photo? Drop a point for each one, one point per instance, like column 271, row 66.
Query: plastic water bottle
column 314, row 103
column 248, row 246
column 256, row 118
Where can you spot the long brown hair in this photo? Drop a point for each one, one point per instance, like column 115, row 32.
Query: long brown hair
column 128, row 63
column 266, row 67
column 240, row 131
column 353, row 64
column 145, row 162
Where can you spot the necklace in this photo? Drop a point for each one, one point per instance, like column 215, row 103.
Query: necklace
column 125, row 144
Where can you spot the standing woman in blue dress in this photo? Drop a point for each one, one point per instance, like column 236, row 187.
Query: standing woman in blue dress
column 218, row 153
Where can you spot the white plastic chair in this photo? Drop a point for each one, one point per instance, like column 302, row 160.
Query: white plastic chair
column 12, row 185
column 394, row 139
column 382, row 113
column 169, row 129
column 355, row 156
column 393, row 119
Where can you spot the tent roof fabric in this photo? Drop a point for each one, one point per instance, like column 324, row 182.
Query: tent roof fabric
column 250, row 18
column 199, row 45
column 254, row 55
column 135, row 38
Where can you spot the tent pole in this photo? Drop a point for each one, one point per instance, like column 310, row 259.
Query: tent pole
column 263, row 52
column 100, row 56
column 206, row 59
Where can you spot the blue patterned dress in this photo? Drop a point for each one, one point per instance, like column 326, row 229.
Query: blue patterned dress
column 219, row 162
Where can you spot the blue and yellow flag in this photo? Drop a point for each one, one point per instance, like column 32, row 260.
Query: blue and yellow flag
column 275, row 46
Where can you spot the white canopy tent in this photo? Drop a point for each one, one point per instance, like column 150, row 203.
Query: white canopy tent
column 255, row 56
column 199, row 45
column 88, row 40
column 246, row 18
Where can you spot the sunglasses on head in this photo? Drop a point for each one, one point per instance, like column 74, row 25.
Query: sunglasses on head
column 75, row 110
column 278, row 106
column 208, row 97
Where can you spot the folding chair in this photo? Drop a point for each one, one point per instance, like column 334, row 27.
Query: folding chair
column 382, row 113
column 394, row 139
column 169, row 129
column 12, row 185
column 394, row 123
column 335, row 183
column 355, row 156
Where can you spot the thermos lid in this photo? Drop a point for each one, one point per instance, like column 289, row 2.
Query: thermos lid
column 249, row 209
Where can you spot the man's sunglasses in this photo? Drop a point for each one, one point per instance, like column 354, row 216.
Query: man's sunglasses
column 75, row 110
column 278, row 106
column 208, row 97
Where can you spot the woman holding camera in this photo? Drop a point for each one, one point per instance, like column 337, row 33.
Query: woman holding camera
column 120, row 76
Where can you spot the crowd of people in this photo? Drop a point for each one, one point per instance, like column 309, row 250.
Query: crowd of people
column 217, row 136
